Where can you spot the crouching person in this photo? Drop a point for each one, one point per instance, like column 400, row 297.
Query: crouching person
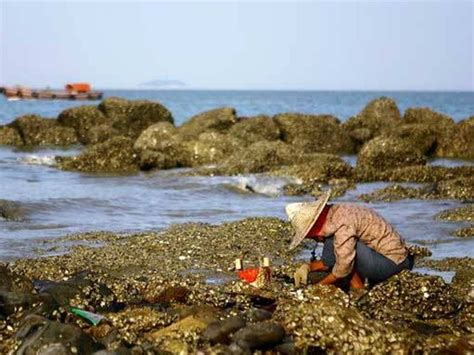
column 359, row 245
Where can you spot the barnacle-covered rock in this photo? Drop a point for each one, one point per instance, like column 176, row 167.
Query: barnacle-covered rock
column 35, row 130
column 159, row 147
column 260, row 157
column 13, row 282
column 462, row 143
column 210, row 148
column 377, row 117
column 316, row 168
column 418, row 136
column 460, row 189
column 416, row 173
column 388, row 153
column 442, row 126
column 464, row 213
column 82, row 119
column 113, row 156
column 314, row 133
column 218, row 120
column 254, row 129
column 320, row 319
column 412, row 294
column 10, row 136
column 465, row 232
column 40, row 335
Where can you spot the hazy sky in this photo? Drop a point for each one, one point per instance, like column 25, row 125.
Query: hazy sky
column 365, row 45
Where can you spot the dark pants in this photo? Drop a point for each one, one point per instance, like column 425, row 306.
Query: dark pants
column 369, row 264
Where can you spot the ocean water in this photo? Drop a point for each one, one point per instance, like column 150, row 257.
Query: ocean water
column 58, row 203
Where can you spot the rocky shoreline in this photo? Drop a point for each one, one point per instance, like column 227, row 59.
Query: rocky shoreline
column 122, row 136
column 175, row 291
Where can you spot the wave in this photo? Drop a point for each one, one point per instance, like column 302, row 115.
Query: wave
column 33, row 159
column 264, row 185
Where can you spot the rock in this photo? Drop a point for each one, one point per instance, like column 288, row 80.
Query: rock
column 10, row 136
column 151, row 138
column 10, row 302
column 465, row 213
column 250, row 130
column 259, row 336
column 210, row 148
column 377, row 117
column 159, row 147
column 317, row 168
column 219, row 331
column 35, row 130
column 39, row 335
column 419, row 296
column 459, row 189
column 417, row 136
column 177, row 294
column 260, row 157
column 139, row 116
column 443, row 126
column 257, row 315
column 466, row 232
column 13, row 282
column 388, row 153
column 12, row 211
column 416, row 173
column 461, row 145
column 83, row 119
column 218, row 120
column 100, row 133
column 81, row 291
column 113, row 156
column 115, row 107
column 314, row 133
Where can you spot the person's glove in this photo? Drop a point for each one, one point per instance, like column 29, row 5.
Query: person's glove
column 301, row 275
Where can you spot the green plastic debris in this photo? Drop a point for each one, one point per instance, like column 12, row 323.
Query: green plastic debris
column 92, row 318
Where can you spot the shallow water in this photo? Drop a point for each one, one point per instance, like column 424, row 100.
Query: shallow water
column 185, row 103
column 60, row 203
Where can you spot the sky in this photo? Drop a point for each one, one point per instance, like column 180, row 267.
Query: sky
column 311, row 45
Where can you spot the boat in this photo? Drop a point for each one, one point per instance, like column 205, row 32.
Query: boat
column 72, row 91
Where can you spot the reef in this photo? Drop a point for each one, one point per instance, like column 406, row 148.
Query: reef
column 175, row 291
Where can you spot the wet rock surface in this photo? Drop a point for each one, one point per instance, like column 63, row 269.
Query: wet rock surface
column 38, row 131
column 114, row 155
column 217, row 120
column 250, row 130
column 153, row 290
column 389, row 153
column 314, row 133
column 10, row 136
column 12, row 211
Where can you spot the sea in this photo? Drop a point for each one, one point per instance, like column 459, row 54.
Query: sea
column 59, row 203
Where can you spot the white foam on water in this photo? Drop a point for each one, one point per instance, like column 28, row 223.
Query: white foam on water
column 264, row 185
column 46, row 160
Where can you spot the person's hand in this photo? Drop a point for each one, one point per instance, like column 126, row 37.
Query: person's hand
column 301, row 275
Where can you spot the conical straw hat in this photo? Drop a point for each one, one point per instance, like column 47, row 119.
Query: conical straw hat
column 303, row 216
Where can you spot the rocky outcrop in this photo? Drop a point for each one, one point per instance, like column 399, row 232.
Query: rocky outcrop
column 38, row 131
column 250, row 130
column 418, row 136
column 158, row 147
column 84, row 119
column 259, row 157
column 443, row 127
column 388, row 153
column 218, row 120
column 377, row 117
column 461, row 144
column 113, row 117
column 211, row 148
column 12, row 211
column 314, row 133
column 113, row 156
column 10, row 136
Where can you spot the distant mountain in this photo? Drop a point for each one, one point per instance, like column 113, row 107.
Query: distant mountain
column 163, row 84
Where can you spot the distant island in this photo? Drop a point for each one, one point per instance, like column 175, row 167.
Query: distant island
column 164, row 84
